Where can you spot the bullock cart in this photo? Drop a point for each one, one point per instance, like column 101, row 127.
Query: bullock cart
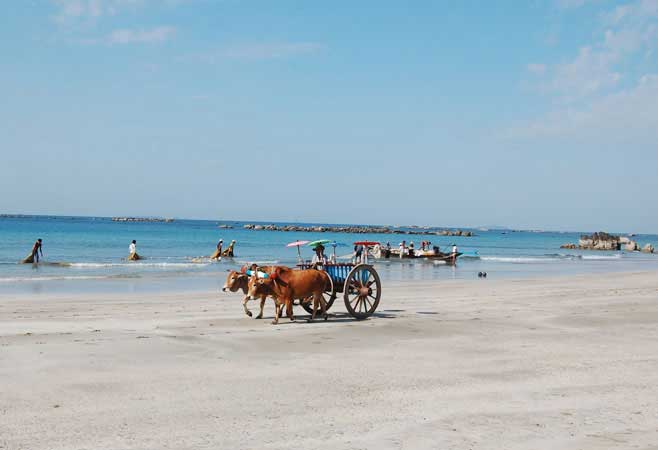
column 358, row 283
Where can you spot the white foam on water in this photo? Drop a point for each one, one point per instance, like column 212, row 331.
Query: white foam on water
column 549, row 258
column 172, row 265
column 601, row 257
column 52, row 278
column 518, row 259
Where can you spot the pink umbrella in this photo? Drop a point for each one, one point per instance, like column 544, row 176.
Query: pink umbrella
column 298, row 244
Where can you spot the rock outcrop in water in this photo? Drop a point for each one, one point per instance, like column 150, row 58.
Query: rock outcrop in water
column 605, row 241
column 597, row 241
column 358, row 230
column 631, row 246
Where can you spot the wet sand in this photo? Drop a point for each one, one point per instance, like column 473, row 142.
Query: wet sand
column 559, row 363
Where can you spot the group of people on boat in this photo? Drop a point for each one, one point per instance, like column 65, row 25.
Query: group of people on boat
column 410, row 251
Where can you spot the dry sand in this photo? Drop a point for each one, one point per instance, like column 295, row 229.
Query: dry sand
column 562, row 363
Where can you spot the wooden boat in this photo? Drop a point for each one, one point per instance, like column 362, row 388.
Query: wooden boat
column 433, row 255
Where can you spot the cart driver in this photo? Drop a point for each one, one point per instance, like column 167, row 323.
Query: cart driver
column 319, row 259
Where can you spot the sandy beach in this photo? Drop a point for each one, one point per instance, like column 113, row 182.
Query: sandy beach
column 557, row 363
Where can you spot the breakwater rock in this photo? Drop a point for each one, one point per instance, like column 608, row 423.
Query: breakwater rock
column 359, row 230
column 597, row 241
column 605, row 241
column 140, row 219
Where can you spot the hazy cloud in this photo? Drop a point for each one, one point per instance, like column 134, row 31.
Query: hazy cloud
column 141, row 36
column 72, row 11
column 599, row 66
column 261, row 51
column 605, row 90
column 610, row 118
column 589, row 73
column 272, row 50
column 568, row 4
column 637, row 11
column 536, row 68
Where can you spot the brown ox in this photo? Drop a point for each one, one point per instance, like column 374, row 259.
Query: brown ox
column 236, row 281
column 286, row 284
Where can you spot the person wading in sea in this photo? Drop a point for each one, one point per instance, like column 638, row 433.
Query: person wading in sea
column 33, row 257
column 229, row 251
column 218, row 253
column 133, row 251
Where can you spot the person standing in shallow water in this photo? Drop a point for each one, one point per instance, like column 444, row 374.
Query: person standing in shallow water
column 218, row 252
column 133, row 251
column 37, row 249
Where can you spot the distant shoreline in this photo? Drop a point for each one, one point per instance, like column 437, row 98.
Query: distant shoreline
column 236, row 222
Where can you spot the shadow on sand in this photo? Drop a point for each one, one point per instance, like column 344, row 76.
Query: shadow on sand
column 333, row 317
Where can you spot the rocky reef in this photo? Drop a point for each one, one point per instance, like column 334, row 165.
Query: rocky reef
column 599, row 241
column 605, row 241
column 358, row 229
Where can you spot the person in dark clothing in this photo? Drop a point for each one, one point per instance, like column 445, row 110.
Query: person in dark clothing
column 33, row 256
column 358, row 252
column 36, row 250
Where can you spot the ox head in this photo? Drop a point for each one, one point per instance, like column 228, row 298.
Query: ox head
column 233, row 281
column 259, row 287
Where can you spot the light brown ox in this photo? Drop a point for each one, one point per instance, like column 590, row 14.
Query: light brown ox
column 236, row 281
column 285, row 284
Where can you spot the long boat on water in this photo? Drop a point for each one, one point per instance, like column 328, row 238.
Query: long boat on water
column 433, row 255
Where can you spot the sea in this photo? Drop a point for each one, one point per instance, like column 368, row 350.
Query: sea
column 88, row 254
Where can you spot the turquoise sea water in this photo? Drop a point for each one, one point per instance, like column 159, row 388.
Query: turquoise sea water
column 94, row 250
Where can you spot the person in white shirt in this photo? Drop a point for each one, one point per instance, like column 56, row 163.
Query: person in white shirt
column 133, row 251
column 402, row 248
column 319, row 259
column 454, row 254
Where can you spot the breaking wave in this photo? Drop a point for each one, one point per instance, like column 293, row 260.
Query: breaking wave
column 172, row 265
column 53, row 278
column 549, row 258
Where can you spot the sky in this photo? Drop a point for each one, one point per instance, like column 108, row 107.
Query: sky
column 537, row 114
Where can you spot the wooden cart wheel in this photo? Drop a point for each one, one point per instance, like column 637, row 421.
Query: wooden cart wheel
column 329, row 296
column 362, row 292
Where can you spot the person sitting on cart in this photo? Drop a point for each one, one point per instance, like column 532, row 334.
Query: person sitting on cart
column 319, row 259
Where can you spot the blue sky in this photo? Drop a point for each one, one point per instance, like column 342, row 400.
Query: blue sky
column 539, row 114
